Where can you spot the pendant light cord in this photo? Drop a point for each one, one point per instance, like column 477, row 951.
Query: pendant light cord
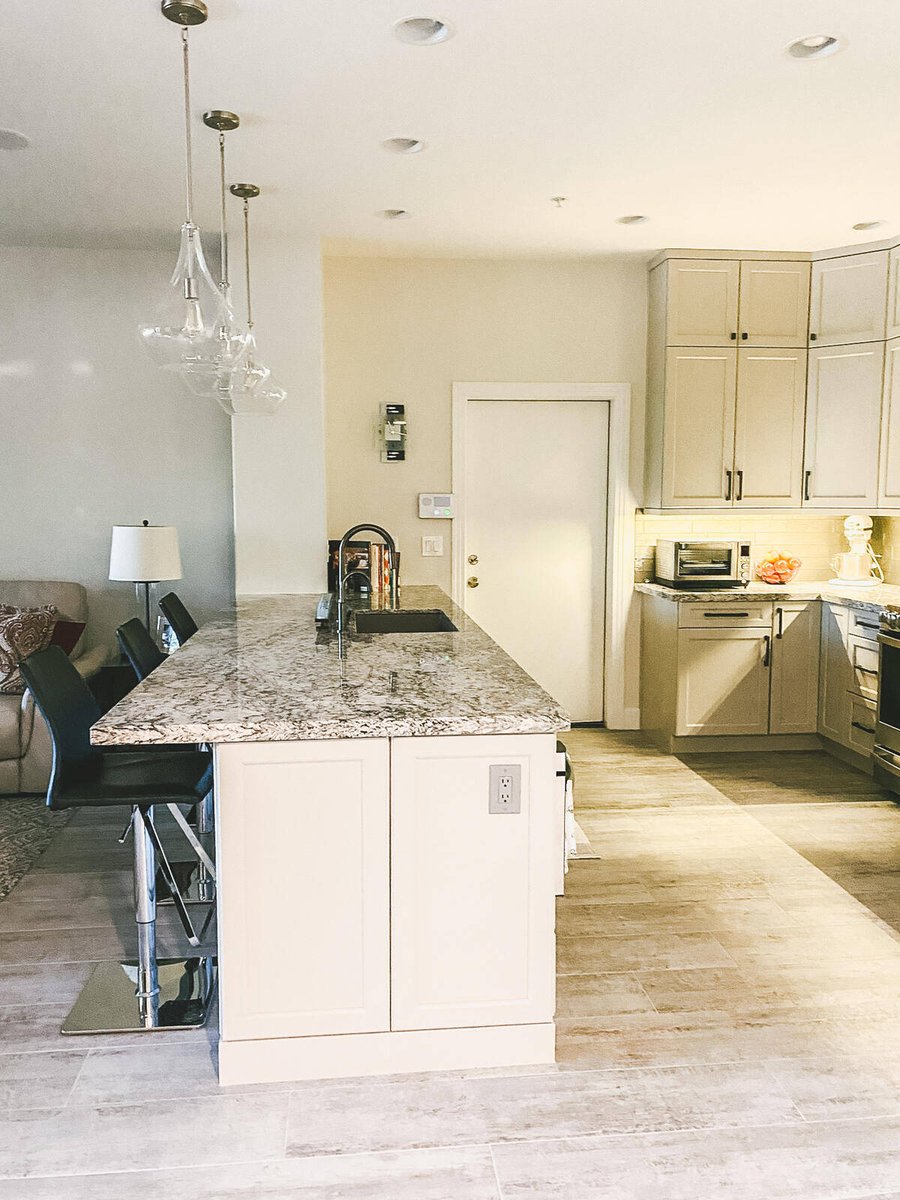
column 188, row 175
column 247, row 261
column 223, row 236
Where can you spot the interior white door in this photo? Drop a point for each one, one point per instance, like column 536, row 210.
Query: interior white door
column 534, row 539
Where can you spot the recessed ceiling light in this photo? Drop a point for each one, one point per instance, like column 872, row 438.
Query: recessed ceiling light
column 10, row 139
column 396, row 214
column 401, row 145
column 817, row 45
column 632, row 219
column 423, row 31
column 869, row 224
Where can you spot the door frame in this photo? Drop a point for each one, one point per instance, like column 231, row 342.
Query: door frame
column 620, row 510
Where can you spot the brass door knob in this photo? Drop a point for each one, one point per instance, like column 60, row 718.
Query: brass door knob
column 472, row 581
column 472, row 559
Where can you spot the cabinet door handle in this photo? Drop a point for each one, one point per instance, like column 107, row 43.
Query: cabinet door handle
column 728, row 475
column 780, row 633
column 734, row 335
column 860, row 727
column 744, row 336
column 740, row 485
column 813, row 337
column 807, row 475
column 767, row 657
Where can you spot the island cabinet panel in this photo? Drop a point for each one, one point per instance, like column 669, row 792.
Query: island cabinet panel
column 303, row 861
column 472, row 892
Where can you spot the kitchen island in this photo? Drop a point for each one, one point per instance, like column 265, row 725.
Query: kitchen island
column 386, row 839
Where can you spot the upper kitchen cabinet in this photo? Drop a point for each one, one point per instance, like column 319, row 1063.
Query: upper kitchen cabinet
column 848, row 299
column 768, row 444
column 893, row 302
column 843, row 411
column 774, row 304
column 698, row 429
column 702, row 302
column 889, row 470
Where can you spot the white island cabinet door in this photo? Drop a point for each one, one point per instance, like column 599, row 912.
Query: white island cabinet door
column 843, row 417
column 303, row 859
column 472, row 891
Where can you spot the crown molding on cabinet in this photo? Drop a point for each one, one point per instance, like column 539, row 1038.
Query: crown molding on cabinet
column 774, row 255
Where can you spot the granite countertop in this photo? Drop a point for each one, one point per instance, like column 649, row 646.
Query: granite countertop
column 868, row 599
column 265, row 673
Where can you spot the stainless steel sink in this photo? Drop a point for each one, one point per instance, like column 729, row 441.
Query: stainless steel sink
column 430, row 620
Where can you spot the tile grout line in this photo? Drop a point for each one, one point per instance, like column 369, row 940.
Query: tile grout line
column 496, row 1173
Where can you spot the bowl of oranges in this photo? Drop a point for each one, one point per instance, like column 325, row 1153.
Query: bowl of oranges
column 777, row 568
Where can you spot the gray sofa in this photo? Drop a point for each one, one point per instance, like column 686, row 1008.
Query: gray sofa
column 25, row 750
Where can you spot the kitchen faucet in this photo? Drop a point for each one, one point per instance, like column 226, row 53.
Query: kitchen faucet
column 342, row 578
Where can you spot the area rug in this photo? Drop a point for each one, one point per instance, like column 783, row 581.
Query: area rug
column 26, row 829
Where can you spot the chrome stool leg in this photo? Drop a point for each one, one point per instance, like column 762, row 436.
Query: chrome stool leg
column 149, row 994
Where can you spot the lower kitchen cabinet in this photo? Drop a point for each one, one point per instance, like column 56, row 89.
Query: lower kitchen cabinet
column 795, row 668
column 723, row 681
column 848, row 687
column 729, row 670
column 472, row 892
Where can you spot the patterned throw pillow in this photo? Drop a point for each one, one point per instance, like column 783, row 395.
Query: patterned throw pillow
column 23, row 631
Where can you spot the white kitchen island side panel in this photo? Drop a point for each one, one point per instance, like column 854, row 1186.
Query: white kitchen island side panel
column 472, row 892
column 303, row 834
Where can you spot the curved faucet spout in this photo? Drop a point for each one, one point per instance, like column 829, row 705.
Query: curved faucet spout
column 342, row 577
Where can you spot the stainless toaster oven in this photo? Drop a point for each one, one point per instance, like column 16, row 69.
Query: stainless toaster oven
column 702, row 564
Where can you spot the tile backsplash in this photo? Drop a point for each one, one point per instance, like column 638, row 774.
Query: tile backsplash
column 814, row 540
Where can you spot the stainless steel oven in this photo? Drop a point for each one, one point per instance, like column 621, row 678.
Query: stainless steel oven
column 702, row 564
column 886, row 752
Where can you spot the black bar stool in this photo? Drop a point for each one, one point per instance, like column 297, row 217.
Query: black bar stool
column 196, row 878
column 147, row 994
column 178, row 617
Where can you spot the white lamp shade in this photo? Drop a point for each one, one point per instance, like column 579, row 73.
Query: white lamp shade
column 144, row 553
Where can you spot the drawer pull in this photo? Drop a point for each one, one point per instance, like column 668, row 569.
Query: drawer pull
column 867, row 625
column 861, row 728
column 726, row 614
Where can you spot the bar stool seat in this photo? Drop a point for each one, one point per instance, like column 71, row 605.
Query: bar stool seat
column 174, row 777
column 146, row 993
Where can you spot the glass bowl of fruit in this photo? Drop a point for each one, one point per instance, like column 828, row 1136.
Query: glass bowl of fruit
column 777, row 568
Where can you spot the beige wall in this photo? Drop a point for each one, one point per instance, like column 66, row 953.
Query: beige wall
column 404, row 330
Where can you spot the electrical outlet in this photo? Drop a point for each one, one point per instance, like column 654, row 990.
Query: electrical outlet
column 432, row 547
column 506, row 788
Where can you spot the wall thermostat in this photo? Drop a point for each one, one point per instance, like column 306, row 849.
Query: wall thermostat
column 434, row 504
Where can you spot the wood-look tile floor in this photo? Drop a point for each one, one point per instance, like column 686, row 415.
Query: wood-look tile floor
column 729, row 1021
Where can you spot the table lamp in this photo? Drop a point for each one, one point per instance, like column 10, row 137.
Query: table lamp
column 144, row 555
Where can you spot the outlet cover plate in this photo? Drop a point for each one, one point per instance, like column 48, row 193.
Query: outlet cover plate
column 506, row 788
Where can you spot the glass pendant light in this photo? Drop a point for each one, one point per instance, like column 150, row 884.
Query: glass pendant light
column 194, row 325
column 251, row 388
column 214, row 374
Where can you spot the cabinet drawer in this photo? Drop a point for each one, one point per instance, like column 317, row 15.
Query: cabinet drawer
column 862, row 725
column 864, row 665
column 863, row 624
column 736, row 614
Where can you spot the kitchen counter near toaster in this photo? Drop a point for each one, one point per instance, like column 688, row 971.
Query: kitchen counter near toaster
column 870, row 599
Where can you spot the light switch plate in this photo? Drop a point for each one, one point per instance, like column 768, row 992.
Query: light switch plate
column 432, row 547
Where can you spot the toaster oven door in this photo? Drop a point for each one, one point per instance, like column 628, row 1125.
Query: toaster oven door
column 706, row 561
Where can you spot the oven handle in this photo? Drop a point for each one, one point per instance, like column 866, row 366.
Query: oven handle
column 886, row 760
column 888, row 639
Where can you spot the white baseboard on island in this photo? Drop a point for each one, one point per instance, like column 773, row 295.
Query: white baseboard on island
column 280, row 1060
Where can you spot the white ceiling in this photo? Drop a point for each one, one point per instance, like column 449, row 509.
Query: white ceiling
column 687, row 110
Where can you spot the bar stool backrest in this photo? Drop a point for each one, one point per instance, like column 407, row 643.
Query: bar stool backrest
column 178, row 617
column 69, row 708
column 139, row 647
